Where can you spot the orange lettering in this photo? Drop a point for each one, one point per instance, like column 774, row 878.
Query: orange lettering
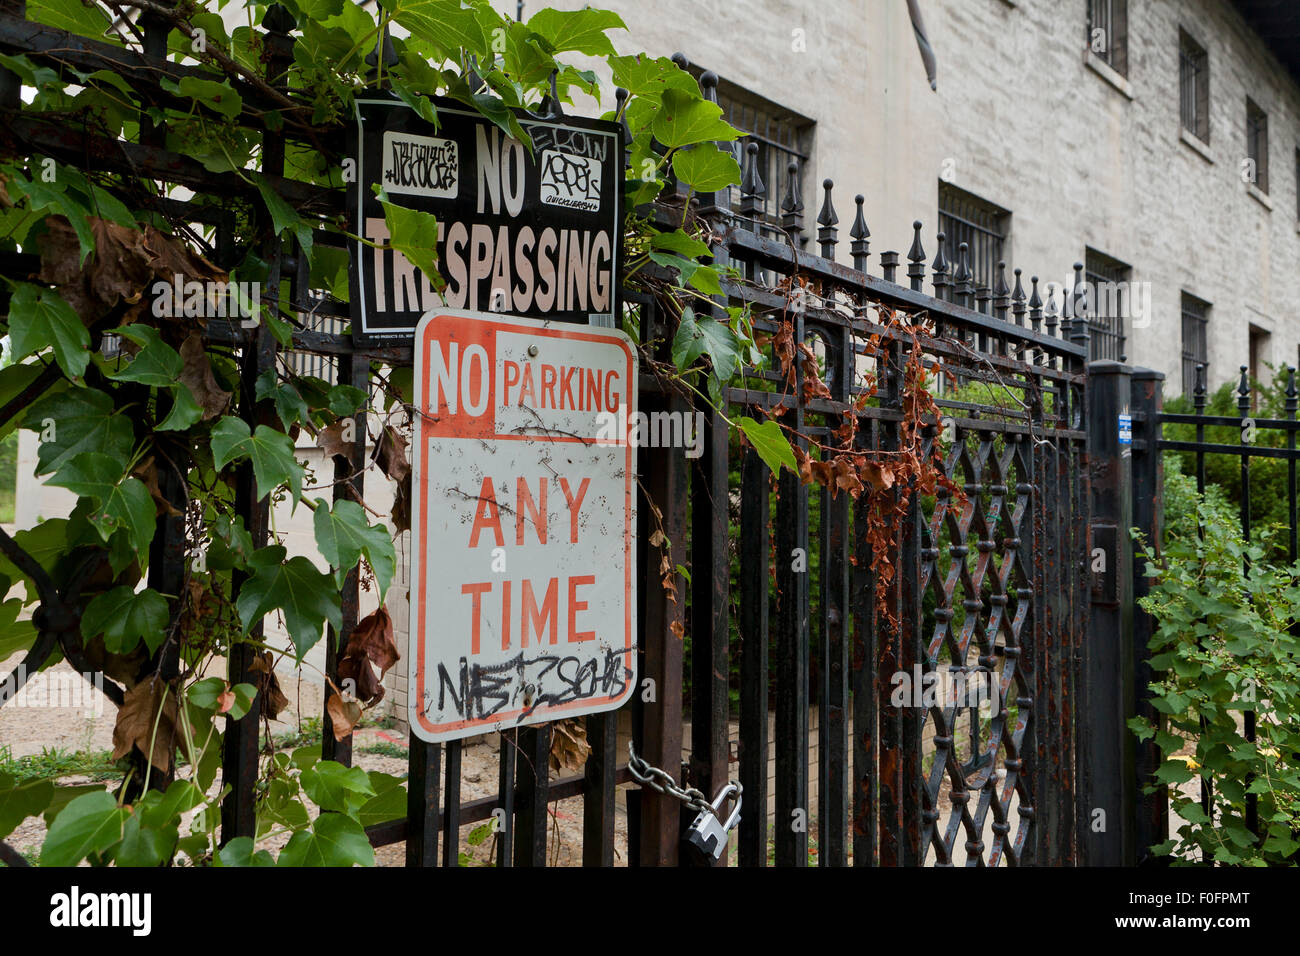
column 575, row 636
column 476, row 591
column 487, row 515
column 540, row 618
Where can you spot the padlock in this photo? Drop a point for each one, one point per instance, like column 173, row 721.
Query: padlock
column 708, row 833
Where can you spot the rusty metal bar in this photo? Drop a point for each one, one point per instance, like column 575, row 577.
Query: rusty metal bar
column 531, row 795
column 753, row 743
column 239, row 764
column 710, row 624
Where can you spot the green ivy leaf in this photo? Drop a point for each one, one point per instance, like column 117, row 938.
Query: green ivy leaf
column 685, row 119
column 38, row 318
column 18, row 801
column 414, row 234
column 307, row 597
column 332, row 786
column 289, row 404
column 124, row 618
column 146, row 846
column 81, row 420
column 271, row 452
column 241, row 852
column 706, row 168
column 73, row 16
column 446, row 24
column 389, row 802
column 15, row 635
column 680, row 243
column 53, row 198
column 13, row 379
column 156, row 364
column 346, row 400
column 702, row 277
column 343, row 535
column 284, row 216
column 90, row 823
column 648, row 78
column 122, row 501
column 770, row 443
column 698, row 336
column 333, row 840
column 217, row 96
column 185, row 411
column 582, row 31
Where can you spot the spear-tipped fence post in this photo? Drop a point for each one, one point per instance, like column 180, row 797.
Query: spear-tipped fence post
column 916, row 258
column 861, row 236
column 965, row 286
column 827, row 234
column 1079, row 328
column 940, row 267
column 792, row 206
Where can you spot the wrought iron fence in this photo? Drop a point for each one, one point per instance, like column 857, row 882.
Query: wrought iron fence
column 989, row 582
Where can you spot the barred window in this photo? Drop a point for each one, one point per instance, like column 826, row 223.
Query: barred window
column 1108, row 32
column 1196, row 320
column 1257, row 143
column 781, row 135
column 1194, row 86
column 984, row 227
column 1108, row 304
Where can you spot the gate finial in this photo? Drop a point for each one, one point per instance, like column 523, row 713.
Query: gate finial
column 827, row 234
column 861, row 235
column 940, row 267
column 1001, row 293
column 1018, row 301
column 916, row 256
column 753, row 194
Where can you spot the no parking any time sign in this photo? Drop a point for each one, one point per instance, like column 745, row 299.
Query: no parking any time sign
column 523, row 514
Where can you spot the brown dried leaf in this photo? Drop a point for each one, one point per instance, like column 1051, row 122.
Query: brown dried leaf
column 678, row 629
column 846, row 477
column 268, row 685
column 569, row 746
column 402, row 506
column 147, row 472
column 391, row 454
column 373, row 638
column 881, row 477
column 169, row 256
column 344, row 715
column 148, row 701
column 366, row 686
column 331, row 441
column 197, row 376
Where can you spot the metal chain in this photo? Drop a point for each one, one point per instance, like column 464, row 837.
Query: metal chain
column 663, row 782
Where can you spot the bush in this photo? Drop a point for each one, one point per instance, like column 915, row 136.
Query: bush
column 1269, row 477
column 1225, row 643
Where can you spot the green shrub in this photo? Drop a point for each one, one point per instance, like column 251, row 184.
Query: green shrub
column 1225, row 643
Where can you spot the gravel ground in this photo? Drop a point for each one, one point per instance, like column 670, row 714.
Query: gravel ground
column 85, row 723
